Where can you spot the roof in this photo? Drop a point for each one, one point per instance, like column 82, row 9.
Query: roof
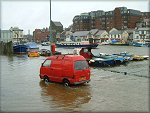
column 81, row 33
column 66, row 56
column 100, row 32
column 115, row 32
column 93, row 31
column 144, row 28
column 57, row 24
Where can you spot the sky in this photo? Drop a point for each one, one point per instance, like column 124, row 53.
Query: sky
column 35, row 14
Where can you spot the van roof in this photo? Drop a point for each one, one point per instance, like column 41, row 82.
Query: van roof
column 66, row 57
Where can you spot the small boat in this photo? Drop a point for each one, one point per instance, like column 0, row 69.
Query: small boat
column 33, row 49
column 146, row 57
column 101, row 59
column 45, row 44
column 138, row 58
column 99, row 62
column 45, row 52
column 19, row 48
column 71, row 44
column 128, row 56
column 33, row 54
column 141, row 44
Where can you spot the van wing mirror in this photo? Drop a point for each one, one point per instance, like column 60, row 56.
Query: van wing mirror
column 42, row 64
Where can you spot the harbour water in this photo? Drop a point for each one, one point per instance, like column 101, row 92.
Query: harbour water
column 109, row 90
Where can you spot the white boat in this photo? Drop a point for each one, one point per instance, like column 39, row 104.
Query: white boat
column 72, row 44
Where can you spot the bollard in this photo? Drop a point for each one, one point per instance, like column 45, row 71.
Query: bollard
column 53, row 47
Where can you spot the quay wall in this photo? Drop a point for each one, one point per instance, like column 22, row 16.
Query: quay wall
column 6, row 48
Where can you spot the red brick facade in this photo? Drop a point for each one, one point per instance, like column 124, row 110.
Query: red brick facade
column 119, row 18
column 41, row 35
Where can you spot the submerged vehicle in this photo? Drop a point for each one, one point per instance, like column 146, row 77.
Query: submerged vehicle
column 66, row 69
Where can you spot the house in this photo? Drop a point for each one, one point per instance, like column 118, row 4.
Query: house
column 81, row 35
column 118, row 35
column 6, row 36
column 17, row 35
column 141, row 34
column 102, row 36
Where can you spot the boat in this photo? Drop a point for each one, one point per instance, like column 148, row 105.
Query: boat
column 138, row 58
column 33, row 49
column 71, row 44
column 101, row 59
column 104, row 59
column 33, row 54
column 19, row 49
column 32, row 46
column 45, row 52
column 128, row 56
column 45, row 44
column 141, row 44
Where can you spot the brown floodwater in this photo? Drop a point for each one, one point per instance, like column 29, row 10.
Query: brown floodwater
column 109, row 90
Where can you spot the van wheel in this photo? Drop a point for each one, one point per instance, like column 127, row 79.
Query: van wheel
column 46, row 79
column 66, row 82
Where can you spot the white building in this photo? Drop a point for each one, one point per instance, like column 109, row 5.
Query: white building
column 141, row 34
column 6, row 36
column 17, row 35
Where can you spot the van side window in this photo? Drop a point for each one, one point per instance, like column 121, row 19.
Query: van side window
column 47, row 63
column 81, row 65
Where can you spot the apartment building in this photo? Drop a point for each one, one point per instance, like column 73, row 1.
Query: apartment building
column 120, row 18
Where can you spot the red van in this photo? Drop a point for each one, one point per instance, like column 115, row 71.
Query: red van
column 66, row 69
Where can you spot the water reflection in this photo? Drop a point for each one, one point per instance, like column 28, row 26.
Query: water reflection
column 66, row 98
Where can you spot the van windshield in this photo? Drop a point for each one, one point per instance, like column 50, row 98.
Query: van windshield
column 81, row 65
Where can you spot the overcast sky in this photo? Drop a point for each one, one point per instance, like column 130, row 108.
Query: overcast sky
column 29, row 15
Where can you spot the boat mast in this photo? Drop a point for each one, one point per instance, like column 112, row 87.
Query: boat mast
column 50, row 29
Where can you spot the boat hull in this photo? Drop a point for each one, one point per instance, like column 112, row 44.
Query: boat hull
column 18, row 49
column 77, row 46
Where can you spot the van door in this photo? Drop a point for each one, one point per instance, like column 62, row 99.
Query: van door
column 56, row 69
column 68, row 69
column 46, row 68
column 81, row 70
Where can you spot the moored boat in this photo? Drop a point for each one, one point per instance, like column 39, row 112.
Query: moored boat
column 71, row 44
column 45, row 44
column 19, row 49
column 101, row 59
column 33, row 49
column 33, row 54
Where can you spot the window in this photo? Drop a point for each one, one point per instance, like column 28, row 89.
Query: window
column 47, row 63
column 80, row 65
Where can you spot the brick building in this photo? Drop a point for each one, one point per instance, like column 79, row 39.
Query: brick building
column 119, row 18
column 42, row 35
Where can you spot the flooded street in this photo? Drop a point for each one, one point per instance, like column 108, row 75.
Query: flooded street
column 109, row 90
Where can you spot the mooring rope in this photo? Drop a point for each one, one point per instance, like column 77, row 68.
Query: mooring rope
column 126, row 73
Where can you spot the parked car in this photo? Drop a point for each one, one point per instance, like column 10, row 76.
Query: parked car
column 66, row 69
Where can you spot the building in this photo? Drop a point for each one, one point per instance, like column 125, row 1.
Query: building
column 17, row 35
column 6, row 36
column 141, row 34
column 102, row 36
column 120, row 18
column 118, row 35
column 57, row 27
column 42, row 35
